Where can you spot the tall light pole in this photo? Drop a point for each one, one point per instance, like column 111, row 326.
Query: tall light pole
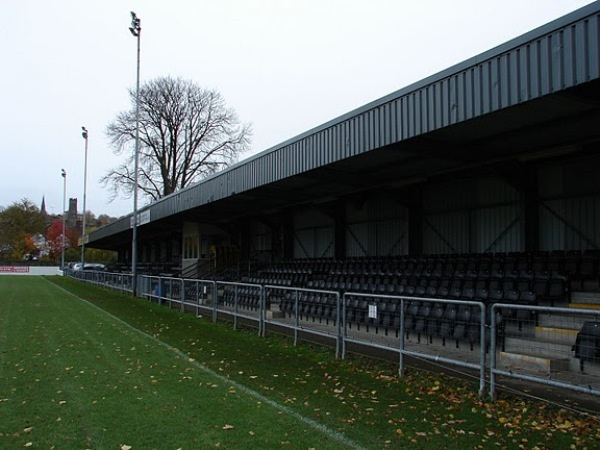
column 62, row 255
column 84, row 133
column 136, row 31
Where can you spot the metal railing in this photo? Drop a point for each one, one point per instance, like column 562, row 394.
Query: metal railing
column 539, row 344
column 121, row 282
column 295, row 312
column 461, row 321
column 532, row 343
column 241, row 300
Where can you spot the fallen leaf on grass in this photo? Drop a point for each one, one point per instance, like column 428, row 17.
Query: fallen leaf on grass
column 228, row 427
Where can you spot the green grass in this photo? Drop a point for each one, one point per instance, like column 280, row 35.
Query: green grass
column 82, row 367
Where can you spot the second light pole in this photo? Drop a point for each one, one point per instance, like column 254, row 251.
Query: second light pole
column 62, row 253
column 136, row 31
column 84, row 133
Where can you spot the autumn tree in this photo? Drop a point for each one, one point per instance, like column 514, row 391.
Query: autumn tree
column 54, row 242
column 18, row 224
column 54, row 239
column 186, row 133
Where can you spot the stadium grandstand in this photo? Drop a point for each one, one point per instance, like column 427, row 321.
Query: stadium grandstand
column 475, row 186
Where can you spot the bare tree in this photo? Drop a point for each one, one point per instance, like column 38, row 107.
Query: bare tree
column 186, row 134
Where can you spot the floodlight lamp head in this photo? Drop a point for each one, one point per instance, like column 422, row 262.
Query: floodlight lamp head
column 135, row 25
column 63, row 173
column 84, row 133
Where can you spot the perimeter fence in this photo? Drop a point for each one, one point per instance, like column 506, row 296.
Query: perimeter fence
column 559, row 347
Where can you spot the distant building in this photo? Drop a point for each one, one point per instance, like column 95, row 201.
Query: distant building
column 72, row 213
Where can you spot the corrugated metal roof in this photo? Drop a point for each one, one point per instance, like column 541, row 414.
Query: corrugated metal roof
column 560, row 55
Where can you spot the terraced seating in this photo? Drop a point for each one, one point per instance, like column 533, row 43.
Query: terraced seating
column 519, row 278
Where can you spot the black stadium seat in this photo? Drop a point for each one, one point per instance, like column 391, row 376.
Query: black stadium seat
column 410, row 316
column 435, row 318
column 462, row 320
column 447, row 322
column 422, row 319
column 587, row 344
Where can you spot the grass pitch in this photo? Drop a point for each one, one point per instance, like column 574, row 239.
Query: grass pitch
column 82, row 367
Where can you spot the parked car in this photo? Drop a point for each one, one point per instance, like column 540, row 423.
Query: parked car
column 95, row 266
column 89, row 266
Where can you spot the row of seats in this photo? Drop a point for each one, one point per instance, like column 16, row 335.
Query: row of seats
column 549, row 275
column 585, row 263
column 501, row 277
column 497, row 289
column 277, row 278
column 246, row 297
column 249, row 296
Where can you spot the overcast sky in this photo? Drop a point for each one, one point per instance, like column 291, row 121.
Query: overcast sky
column 285, row 66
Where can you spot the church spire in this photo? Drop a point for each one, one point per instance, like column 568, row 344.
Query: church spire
column 43, row 207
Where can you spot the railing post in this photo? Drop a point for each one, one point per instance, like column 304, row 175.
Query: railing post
column 262, row 301
column 339, row 350
column 341, row 320
column 482, row 323
column 401, row 353
column 296, row 320
column 493, row 332
column 182, row 295
column 235, row 307
column 161, row 290
column 198, row 296
column 214, row 300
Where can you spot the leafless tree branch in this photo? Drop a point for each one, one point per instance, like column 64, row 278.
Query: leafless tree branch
column 186, row 134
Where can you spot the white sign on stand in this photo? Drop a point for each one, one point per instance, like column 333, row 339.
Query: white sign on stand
column 372, row 311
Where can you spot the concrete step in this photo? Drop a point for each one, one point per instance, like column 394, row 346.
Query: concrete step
column 542, row 348
column 556, row 335
column 274, row 314
column 533, row 363
column 569, row 322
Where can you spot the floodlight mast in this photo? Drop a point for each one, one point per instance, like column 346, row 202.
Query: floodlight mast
column 136, row 31
column 84, row 134
column 62, row 253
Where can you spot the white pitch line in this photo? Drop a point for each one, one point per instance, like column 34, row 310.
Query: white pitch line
column 335, row 435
